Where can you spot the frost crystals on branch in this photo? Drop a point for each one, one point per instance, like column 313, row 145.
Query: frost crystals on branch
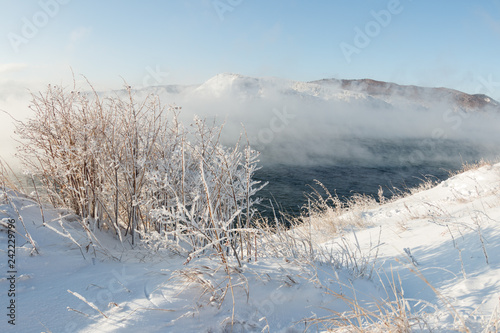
column 131, row 167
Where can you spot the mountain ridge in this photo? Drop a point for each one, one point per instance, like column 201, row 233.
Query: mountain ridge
column 384, row 88
column 376, row 93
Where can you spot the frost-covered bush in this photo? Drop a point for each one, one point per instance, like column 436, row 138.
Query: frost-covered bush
column 131, row 166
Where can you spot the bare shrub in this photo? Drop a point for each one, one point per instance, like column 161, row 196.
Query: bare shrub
column 131, row 167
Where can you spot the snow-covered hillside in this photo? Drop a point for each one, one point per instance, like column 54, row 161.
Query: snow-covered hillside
column 428, row 261
column 295, row 122
column 373, row 93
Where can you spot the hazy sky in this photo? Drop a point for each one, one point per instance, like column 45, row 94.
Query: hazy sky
column 431, row 43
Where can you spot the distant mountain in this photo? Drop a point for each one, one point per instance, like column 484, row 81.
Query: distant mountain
column 266, row 87
column 367, row 92
column 295, row 122
column 423, row 95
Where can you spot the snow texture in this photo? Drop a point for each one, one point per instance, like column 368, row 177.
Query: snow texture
column 440, row 246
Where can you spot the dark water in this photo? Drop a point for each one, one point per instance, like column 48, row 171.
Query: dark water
column 289, row 184
column 398, row 166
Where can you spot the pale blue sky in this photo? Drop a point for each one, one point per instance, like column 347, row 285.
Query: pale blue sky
column 432, row 43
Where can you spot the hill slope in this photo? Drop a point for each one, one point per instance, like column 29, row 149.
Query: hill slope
column 375, row 93
column 436, row 249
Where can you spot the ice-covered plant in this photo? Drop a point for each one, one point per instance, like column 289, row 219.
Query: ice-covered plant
column 130, row 165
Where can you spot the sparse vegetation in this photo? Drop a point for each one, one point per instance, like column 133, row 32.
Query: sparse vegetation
column 131, row 169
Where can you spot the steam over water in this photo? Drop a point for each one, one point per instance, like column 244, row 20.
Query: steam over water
column 400, row 165
column 350, row 141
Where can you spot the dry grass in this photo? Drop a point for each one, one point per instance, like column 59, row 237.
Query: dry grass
column 467, row 166
column 8, row 195
column 493, row 324
column 125, row 167
column 326, row 215
column 129, row 167
column 394, row 313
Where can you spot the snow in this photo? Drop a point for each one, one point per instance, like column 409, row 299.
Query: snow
column 240, row 87
column 244, row 87
column 441, row 243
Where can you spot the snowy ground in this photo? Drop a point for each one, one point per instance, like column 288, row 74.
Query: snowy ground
column 437, row 252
